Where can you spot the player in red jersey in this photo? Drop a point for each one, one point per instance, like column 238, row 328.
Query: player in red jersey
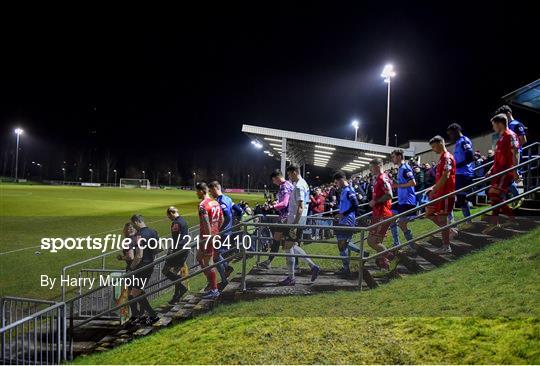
column 445, row 182
column 211, row 219
column 506, row 156
column 381, row 205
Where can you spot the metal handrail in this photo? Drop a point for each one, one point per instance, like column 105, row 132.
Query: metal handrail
column 158, row 260
column 394, row 217
column 27, row 299
column 455, row 223
column 149, row 293
column 30, row 317
column 443, row 197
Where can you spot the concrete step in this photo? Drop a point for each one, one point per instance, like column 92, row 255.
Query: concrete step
column 84, row 347
column 527, row 212
column 531, row 203
column 415, row 264
column 459, row 247
column 477, row 240
column 505, row 232
column 428, row 250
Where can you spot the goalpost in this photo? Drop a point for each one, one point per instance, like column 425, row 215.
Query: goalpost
column 134, row 183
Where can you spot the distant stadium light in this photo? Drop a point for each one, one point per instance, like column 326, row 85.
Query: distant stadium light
column 375, row 155
column 19, row 131
column 355, row 124
column 272, row 139
column 325, row 147
column 388, row 72
column 273, row 144
column 257, row 144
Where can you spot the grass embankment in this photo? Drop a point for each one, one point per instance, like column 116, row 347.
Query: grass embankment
column 484, row 308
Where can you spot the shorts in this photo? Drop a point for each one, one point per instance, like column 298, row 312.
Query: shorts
column 502, row 183
column 379, row 231
column 443, row 207
column 206, row 248
column 281, row 230
column 142, row 277
column 463, row 181
column 298, row 232
column 403, row 207
column 344, row 235
column 177, row 261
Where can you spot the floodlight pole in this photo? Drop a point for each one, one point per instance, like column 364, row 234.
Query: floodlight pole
column 389, row 80
column 18, row 132
column 248, row 184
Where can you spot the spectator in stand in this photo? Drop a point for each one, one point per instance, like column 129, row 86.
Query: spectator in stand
column 429, row 175
column 316, row 206
column 478, row 161
column 331, row 199
column 490, row 155
column 419, row 178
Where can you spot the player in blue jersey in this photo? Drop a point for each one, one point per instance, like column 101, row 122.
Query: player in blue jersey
column 406, row 197
column 226, row 203
column 464, row 156
column 348, row 205
column 520, row 130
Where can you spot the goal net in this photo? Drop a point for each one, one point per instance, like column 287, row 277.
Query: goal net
column 134, row 183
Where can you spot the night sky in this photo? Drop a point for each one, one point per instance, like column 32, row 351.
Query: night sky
column 169, row 88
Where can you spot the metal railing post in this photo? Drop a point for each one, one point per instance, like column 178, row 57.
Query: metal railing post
column 71, row 321
column 258, row 239
column 361, row 263
column 244, row 264
column 63, row 286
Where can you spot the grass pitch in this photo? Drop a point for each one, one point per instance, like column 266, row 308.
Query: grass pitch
column 31, row 212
